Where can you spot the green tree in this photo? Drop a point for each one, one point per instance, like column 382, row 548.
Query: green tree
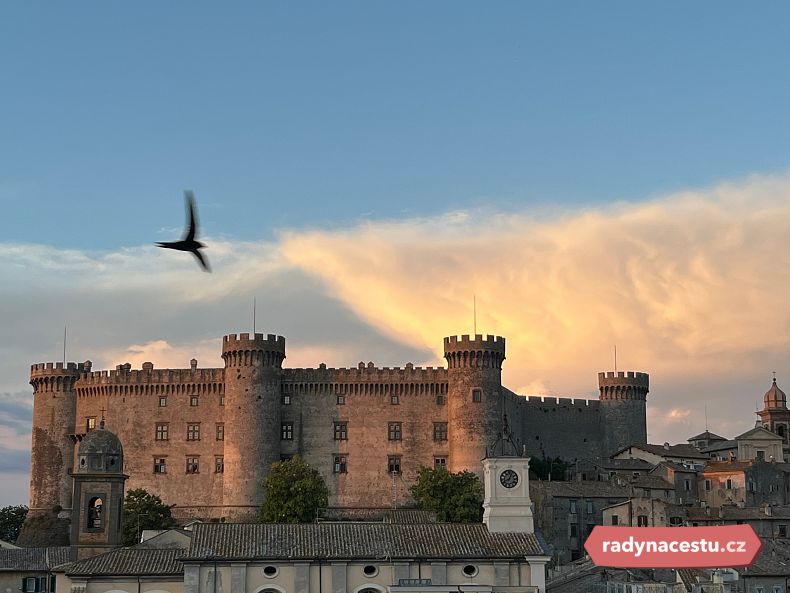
column 142, row 510
column 542, row 468
column 11, row 520
column 457, row 498
column 294, row 491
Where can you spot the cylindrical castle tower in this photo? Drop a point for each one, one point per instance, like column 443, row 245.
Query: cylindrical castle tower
column 623, row 409
column 474, row 399
column 54, row 420
column 253, row 385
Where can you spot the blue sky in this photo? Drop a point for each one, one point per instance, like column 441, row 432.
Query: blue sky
column 281, row 114
column 594, row 172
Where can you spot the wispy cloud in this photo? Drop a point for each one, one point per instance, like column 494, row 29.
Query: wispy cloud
column 691, row 287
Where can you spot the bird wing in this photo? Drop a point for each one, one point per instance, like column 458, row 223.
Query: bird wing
column 203, row 261
column 192, row 230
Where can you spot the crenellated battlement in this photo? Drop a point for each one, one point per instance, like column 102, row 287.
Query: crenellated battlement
column 242, row 350
column 259, row 341
column 57, row 368
column 623, row 386
column 55, row 376
column 624, row 378
column 366, row 379
column 540, row 400
column 465, row 352
column 478, row 342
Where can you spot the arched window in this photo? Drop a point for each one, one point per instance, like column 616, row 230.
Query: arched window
column 95, row 508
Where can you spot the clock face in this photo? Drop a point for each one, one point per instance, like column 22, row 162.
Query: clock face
column 508, row 478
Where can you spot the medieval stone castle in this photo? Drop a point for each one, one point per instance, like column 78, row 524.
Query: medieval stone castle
column 203, row 439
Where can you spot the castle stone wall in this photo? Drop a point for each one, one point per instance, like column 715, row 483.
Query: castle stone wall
column 561, row 427
column 253, row 397
column 130, row 399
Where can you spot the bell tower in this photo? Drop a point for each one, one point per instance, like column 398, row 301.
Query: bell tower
column 97, row 518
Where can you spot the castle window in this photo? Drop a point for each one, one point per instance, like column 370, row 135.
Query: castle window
column 393, row 465
column 193, row 400
column 286, row 399
column 341, row 431
column 440, row 463
column 574, row 530
column 339, row 464
column 222, row 400
column 589, row 507
column 95, row 506
column 687, row 485
column 162, row 401
column 615, row 519
column 160, row 466
column 728, row 484
column 220, row 431
column 572, row 509
column 641, row 521
column 193, row 465
column 162, row 431
column 440, row 431
column 287, row 431
column 477, row 395
column 341, row 399
column 90, row 423
column 675, row 521
column 394, row 431
column 707, row 486
column 394, row 399
column 193, row 432
column 439, row 400
column 219, row 465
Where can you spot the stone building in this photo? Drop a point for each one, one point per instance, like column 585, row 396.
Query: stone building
column 566, row 512
column 203, row 439
column 743, row 483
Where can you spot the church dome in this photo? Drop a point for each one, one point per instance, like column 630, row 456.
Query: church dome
column 100, row 451
column 775, row 398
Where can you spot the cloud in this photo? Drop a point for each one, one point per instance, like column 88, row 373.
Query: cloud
column 688, row 286
column 691, row 287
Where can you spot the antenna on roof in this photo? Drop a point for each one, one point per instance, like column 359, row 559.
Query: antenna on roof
column 474, row 311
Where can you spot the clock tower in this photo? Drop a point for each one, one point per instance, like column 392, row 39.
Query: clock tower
column 507, row 506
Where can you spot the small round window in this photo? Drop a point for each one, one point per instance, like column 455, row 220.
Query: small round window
column 470, row 570
column 270, row 571
column 370, row 571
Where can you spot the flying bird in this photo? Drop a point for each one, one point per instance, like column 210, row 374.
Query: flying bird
column 188, row 242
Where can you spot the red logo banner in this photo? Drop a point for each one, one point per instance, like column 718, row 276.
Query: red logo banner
column 726, row 546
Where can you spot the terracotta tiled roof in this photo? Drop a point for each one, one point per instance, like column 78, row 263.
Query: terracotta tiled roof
column 652, row 482
column 582, row 489
column 773, row 559
column 707, row 435
column 32, row 559
column 721, row 446
column 682, row 450
column 733, row 513
column 129, row 562
column 273, row 541
column 376, row 515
